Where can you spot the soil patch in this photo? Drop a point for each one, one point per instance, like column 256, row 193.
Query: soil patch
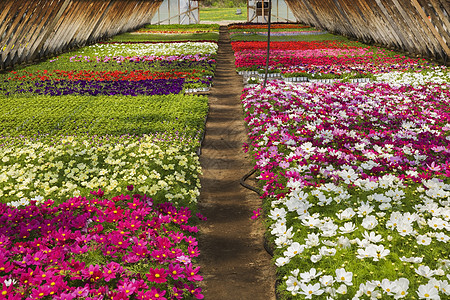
column 234, row 262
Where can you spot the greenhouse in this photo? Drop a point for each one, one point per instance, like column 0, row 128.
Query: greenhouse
column 213, row 149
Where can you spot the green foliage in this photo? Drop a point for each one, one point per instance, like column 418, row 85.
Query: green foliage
column 144, row 37
column 214, row 14
column 102, row 115
column 181, row 27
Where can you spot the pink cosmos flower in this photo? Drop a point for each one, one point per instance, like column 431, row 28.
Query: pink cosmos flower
column 192, row 274
column 256, row 214
column 176, row 271
column 157, row 275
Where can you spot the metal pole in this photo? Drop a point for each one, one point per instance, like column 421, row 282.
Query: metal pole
column 268, row 43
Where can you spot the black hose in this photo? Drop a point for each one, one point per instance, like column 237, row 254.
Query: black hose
column 243, row 179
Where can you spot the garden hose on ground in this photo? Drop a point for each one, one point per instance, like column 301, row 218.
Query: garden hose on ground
column 246, row 176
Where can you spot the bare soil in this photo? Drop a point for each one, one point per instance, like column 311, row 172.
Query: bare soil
column 234, row 262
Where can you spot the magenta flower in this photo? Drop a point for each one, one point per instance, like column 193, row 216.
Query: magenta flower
column 157, row 275
column 127, row 288
column 196, row 292
column 192, row 274
column 176, row 271
column 256, row 214
column 92, row 273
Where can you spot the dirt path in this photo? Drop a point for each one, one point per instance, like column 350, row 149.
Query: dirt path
column 234, row 262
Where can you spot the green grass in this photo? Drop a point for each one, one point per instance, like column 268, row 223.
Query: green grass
column 213, row 14
column 142, row 37
column 214, row 27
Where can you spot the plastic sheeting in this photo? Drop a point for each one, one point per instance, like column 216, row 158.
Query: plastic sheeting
column 258, row 11
column 177, row 12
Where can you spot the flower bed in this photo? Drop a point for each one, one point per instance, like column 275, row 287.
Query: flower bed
column 355, row 182
column 59, row 146
column 162, row 167
column 157, row 49
column 122, row 248
column 336, row 58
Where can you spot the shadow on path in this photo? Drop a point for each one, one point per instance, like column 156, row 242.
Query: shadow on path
column 234, row 262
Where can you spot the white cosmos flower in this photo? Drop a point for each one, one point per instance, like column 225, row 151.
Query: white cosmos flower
column 402, row 286
column 363, row 253
column 311, row 222
column 428, row 291
column 277, row 213
column 281, row 261
column 342, row 289
column 348, row 176
column 329, row 229
column 404, row 227
column 444, row 287
column 423, row 240
column 312, row 240
column 444, row 263
column 389, row 287
column 369, row 222
column 343, row 242
column 294, row 249
column 347, row 214
column 310, row 290
column 293, row 285
column 437, row 223
column 378, row 252
column 324, row 251
column 425, row 271
column 416, row 260
column 310, row 275
column 344, row 276
column 307, row 147
column 326, row 280
column 347, row 228
column 368, row 289
column 365, row 209
column 372, row 237
column 316, row 258
column 442, row 237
